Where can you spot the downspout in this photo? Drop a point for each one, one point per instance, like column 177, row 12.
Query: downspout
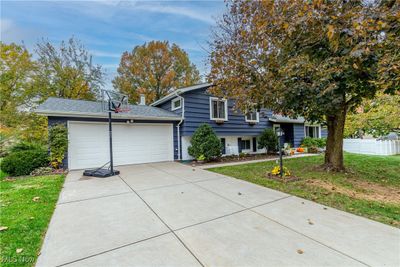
column 178, row 127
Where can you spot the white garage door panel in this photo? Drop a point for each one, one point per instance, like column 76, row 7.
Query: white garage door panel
column 132, row 144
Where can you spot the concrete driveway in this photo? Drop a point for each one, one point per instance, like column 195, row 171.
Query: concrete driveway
column 169, row 214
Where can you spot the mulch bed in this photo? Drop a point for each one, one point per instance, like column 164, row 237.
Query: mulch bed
column 235, row 158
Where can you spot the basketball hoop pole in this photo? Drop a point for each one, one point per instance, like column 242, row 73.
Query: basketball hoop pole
column 117, row 106
column 110, row 136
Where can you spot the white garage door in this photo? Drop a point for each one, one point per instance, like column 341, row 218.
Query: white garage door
column 88, row 144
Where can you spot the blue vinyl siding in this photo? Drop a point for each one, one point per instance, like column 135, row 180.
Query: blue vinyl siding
column 63, row 120
column 167, row 106
column 197, row 111
column 298, row 134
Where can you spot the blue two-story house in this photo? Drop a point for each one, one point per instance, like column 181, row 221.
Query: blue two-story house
column 238, row 132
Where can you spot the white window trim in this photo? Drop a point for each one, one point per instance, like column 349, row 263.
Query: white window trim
column 313, row 125
column 176, row 100
column 226, row 109
column 256, row 120
column 250, row 142
column 275, row 126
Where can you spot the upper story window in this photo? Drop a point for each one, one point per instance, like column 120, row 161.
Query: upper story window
column 252, row 116
column 312, row 131
column 218, row 109
column 176, row 103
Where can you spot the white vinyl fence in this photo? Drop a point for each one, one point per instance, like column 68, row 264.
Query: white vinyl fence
column 371, row 146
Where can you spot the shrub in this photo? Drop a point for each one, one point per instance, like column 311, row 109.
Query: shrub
column 313, row 142
column 24, row 162
column 41, row 171
column 205, row 142
column 201, row 157
column 313, row 149
column 23, row 146
column 58, row 139
column 268, row 140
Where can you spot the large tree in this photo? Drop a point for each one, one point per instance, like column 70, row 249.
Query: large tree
column 153, row 69
column 317, row 59
column 67, row 71
column 376, row 117
column 16, row 87
column 18, row 95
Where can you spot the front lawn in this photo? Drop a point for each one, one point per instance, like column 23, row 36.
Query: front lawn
column 370, row 187
column 27, row 205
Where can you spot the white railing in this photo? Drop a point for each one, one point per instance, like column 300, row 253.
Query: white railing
column 371, row 146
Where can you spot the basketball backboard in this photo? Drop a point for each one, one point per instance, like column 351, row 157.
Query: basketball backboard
column 114, row 101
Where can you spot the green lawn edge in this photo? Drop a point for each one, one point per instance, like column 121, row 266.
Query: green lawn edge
column 27, row 220
column 382, row 170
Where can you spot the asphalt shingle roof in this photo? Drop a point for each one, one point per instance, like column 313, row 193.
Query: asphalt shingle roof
column 71, row 107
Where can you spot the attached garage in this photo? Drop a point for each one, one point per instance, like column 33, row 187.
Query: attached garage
column 133, row 143
column 144, row 134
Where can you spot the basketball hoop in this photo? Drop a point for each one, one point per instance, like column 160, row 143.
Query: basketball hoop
column 117, row 103
column 121, row 110
column 114, row 101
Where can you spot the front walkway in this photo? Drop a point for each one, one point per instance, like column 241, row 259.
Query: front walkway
column 169, row 214
column 223, row 164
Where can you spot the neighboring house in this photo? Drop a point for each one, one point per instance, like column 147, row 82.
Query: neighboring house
column 238, row 132
column 162, row 131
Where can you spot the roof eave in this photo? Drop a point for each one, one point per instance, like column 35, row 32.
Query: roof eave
column 101, row 115
column 179, row 91
column 286, row 121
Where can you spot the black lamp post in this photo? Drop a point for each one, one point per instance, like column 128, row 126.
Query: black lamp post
column 280, row 134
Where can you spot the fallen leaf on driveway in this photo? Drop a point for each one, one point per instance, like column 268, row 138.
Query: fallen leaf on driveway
column 300, row 251
column 239, row 193
column 36, row 199
column 310, row 222
column 2, row 228
column 19, row 250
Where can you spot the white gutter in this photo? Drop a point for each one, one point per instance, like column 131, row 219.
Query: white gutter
column 178, row 127
column 104, row 115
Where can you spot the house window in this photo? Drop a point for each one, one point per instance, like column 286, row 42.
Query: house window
column 245, row 144
column 218, row 109
column 312, row 131
column 252, row 117
column 176, row 103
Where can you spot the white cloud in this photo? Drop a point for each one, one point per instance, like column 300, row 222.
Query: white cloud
column 173, row 10
column 98, row 53
column 11, row 32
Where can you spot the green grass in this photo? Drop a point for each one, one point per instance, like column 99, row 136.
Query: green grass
column 2, row 175
column 27, row 220
column 383, row 171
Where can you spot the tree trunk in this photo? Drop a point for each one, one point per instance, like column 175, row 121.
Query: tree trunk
column 334, row 144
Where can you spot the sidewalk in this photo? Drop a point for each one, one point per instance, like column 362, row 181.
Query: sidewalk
column 214, row 165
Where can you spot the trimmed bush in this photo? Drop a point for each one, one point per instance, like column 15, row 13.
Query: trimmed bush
column 23, row 146
column 41, row 171
column 205, row 142
column 58, row 139
column 313, row 142
column 24, row 162
column 268, row 140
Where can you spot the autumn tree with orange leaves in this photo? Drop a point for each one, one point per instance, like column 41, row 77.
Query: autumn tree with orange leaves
column 317, row 59
column 153, row 69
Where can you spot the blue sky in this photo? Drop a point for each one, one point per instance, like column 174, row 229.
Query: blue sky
column 108, row 28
